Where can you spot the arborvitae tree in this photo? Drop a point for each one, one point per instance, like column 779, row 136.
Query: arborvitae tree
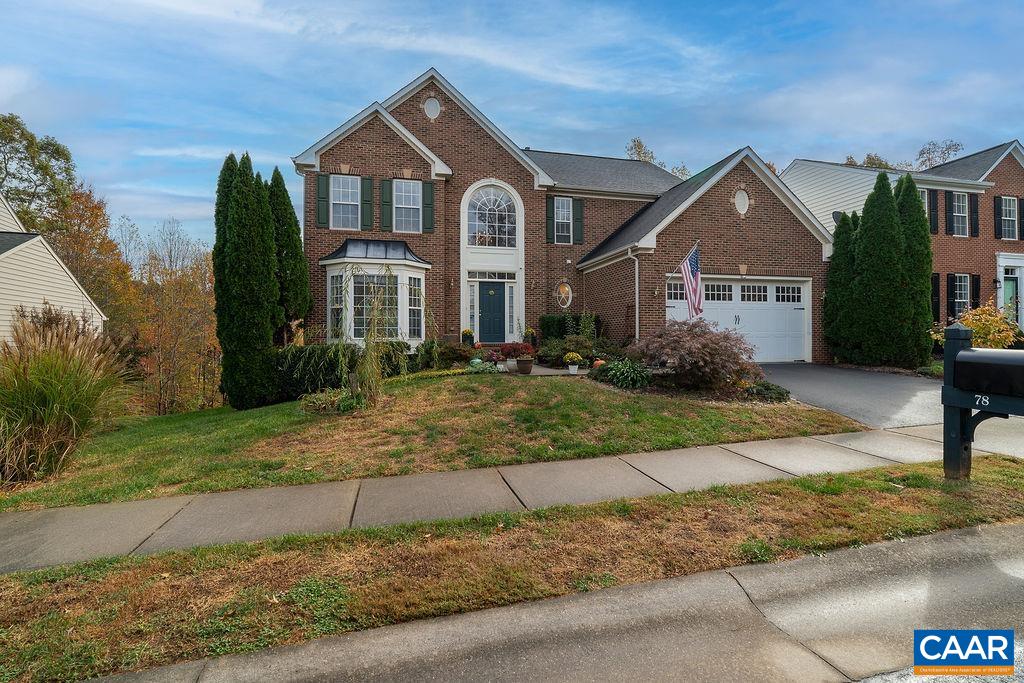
column 252, row 308
column 225, row 183
column 292, row 270
column 879, row 312
column 855, row 222
column 841, row 272
column 917, row 269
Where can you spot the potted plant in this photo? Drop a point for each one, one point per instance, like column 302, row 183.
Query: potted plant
column 530, row 336
column 524, row 359
column 467, row 337
column 572, row 361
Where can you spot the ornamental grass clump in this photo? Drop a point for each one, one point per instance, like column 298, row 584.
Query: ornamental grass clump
column 58, row 382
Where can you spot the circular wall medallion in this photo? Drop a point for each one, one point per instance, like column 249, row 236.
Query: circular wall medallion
column 563, row 295
column 742, row 201
column 432, row 108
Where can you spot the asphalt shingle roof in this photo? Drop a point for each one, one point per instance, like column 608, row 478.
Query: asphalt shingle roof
column 388, row 250
column 648, row 218
column 607, row 174
column 9, row 240
column 973, row 166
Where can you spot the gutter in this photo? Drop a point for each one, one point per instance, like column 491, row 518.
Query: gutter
column 636, row 293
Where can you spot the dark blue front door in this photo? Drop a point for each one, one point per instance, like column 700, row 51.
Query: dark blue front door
column 492, row 312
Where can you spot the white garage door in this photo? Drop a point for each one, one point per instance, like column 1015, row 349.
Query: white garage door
column 770, row 314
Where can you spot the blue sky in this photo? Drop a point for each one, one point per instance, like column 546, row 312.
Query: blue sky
column 151, row 94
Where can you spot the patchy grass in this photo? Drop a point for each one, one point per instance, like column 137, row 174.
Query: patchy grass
column 439, row 423
column 136, row 612
column 933, row 369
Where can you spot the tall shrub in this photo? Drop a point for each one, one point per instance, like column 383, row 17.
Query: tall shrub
column 838, row 290
column 292, row 270
column 879, row 311
column 917, row 270
column 225, row 186
column 252, row 310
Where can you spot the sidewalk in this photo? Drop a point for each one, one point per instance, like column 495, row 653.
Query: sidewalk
column 847, row 615
column 42, row 538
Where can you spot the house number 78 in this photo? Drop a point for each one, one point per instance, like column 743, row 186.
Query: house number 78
column 980, row 400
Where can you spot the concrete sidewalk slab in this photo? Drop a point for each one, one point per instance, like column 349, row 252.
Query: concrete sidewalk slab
column 801, row 455
column 858, row 608
column 995, row 435
column 689, row 469
column 891, row 445
column 434, row 495
column 41, row 538
column 253, row 514
column 574, row 482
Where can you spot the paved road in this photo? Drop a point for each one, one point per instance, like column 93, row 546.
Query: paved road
column 846, row 615
column 876, row 399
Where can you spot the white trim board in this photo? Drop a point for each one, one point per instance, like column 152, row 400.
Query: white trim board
column 10, row 210
column 1015, row 149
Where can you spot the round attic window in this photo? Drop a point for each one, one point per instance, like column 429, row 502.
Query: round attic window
column 742, row 201
column 432, row 108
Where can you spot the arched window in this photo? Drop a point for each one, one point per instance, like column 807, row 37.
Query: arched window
column 492, row 218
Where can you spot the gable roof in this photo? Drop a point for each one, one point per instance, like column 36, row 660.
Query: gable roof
column 978, row 165
column 642, row 229
column 540, row 177
column 310, row 158
column 603, row 174
column 10, row 240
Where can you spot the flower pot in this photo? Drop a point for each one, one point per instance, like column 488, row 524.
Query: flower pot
column 525, row 365
column 467, row 339
column 511, row 364
column 574, row 369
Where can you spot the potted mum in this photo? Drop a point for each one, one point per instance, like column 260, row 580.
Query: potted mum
column 524, row 359
column 572, row 361
column 467, row 337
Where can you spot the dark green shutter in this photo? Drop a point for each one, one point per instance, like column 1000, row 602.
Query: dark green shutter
column 972, row 213
column 975, row 291
column 936, row 299
column 323, row 205
column 1020, row 219
column 386, row 214
column 933, row 211
column 998, row 217
column 428, row 206
column 950, row 296
column 577, row 221
column 366, row 199
column 551, row 219
column 949, row 212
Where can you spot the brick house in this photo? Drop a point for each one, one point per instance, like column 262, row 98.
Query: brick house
column 423, row 200
column 973, row 205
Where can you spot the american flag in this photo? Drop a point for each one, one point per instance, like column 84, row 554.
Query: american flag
column 690, row 268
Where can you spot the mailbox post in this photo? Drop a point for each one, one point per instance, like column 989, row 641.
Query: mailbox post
column 988, row 381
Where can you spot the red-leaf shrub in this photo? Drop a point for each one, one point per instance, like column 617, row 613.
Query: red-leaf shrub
column 518, row 350
column 701, row 356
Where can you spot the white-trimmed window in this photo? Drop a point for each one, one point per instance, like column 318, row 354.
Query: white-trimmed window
column 492, row 218
column 675, row 291
column 714, row 292
column 961, row 294
column 415, row 308
column 472, row 307
column 1009, row 218
column 345, row 202
column 788, row 294
column 408, row 196
column 754, row 293
column 364, row 289
column 336, row 306
column 924, row 200
column 510, row 305
column 563, row 220
column 960, row 214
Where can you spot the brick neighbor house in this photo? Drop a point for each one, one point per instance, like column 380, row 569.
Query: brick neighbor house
column 424, row 200
column 974, row 206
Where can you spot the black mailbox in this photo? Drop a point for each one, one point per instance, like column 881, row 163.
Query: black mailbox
column 990, row 371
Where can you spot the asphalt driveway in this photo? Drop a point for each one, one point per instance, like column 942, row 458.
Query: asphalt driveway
column 877, row 399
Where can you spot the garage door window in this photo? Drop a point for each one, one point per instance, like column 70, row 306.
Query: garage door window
column 717, row 292
column 785, row 294
column 755, row 293
column 676, row 291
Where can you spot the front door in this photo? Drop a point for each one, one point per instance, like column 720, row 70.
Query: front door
column 492, row 312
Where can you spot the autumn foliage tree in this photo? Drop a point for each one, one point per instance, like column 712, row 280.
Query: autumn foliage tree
column 36, row 173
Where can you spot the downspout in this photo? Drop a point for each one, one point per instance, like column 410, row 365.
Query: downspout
column 636, row 293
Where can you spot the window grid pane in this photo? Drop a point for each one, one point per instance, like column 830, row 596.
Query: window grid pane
column 345, row 202
column 563, row 220
column 364, row 289
column 472, row 308
column 511, row 309
column 408, row 197
column 960, row 214
column 492, row 218
column 676, row 291
column 924, row 199
column 786, row 294
column 754, row 293
column 718, row 292
column 415, row 308
column 961, row 294
column 490, row 275
column 336, row 302
column 1009, row 218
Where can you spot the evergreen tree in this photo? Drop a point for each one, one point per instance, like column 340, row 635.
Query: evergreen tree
column 879, row 311
column 252, row 311
column 917, row 268
column 855, row 222
column 292, row 270
column 838, row 287
column 225, row 183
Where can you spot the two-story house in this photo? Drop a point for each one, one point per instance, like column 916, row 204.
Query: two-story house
column 425, row 202
column 973, row 206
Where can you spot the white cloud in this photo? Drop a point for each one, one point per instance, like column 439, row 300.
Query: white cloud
column 15, row 81
column 212, row 153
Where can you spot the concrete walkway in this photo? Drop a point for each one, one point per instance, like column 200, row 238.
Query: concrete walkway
column 42, row 538
column 844, row 616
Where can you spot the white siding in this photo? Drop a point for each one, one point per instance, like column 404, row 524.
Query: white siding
column 825, row 188
column 8, row 222
column 30, row 275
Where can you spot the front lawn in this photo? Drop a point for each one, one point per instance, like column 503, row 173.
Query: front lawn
column 127, row 613
column 422, row 425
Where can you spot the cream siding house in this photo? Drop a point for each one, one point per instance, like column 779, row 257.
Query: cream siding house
column 32, row 275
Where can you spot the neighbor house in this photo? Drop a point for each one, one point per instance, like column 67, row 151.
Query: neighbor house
column 32, row 275
column 973, row 206
column 423, row 200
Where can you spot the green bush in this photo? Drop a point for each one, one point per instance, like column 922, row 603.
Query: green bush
column 625, row 374
column 606, row 349
column 58, row 383
column 450, row 354
column 484, row 368
column 330, row 401
column 700, row 355
column 551, row 351
column 394, row 358
column 427, row 356
column 559, row 325
column 763, row 390
column 312, row 368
